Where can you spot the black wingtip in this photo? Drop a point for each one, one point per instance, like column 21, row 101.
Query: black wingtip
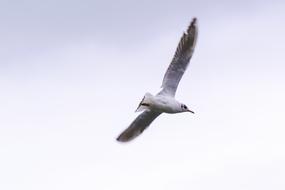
column 122, row 138
column 193, row 25
column 193, row 22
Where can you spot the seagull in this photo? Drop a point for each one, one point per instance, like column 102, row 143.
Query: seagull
column 165, row 102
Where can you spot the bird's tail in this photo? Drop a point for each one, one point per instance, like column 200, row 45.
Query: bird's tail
column 145, row 103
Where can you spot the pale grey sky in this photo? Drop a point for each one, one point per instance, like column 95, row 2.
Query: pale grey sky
column 73, row 72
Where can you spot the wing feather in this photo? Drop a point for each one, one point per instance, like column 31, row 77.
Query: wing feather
column 138, row 126
column 180, row 60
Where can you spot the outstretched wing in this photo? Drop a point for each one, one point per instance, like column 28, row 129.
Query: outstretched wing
column 180, row 60
column 138, row 126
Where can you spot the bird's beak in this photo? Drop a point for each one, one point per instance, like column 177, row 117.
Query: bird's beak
column 190, row 111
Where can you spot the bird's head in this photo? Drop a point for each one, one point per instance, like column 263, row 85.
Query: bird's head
column 184, row 108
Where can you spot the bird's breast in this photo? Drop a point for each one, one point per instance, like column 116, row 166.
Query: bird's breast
column 165, row 104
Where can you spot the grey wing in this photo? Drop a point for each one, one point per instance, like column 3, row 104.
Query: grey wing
column 138, row 126
column 180, row 60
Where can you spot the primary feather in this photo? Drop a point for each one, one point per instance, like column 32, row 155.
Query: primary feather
column 180, row 60
column 138, row 126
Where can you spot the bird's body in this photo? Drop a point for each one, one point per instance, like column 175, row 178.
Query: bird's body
column 160, row 103
column 164, row 101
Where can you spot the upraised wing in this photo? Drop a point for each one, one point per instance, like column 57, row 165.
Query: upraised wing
column 180, row 60
column 138, row 126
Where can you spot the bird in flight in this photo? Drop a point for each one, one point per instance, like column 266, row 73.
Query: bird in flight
column 164, row 102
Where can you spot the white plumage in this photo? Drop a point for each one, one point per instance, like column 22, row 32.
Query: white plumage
column 164, row 101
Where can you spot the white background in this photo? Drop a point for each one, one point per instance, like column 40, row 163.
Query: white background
column 73, row 72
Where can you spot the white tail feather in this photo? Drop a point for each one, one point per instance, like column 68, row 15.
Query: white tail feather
column 145, row 103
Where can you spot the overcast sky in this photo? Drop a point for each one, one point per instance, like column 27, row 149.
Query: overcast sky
column 73, row 72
